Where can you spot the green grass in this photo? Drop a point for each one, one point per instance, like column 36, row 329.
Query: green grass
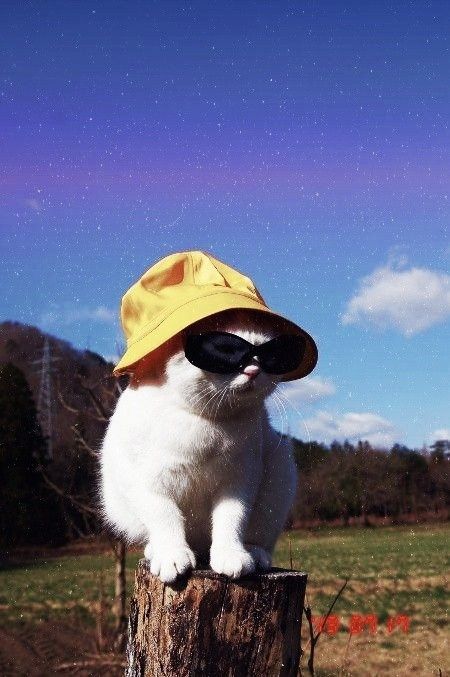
column 364, row 553
column 59, row 587
column 391, row 570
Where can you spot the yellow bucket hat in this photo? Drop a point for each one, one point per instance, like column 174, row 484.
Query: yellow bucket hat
column 183, row 288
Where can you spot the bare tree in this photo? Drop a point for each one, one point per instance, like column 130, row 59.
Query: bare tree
column 101, row 398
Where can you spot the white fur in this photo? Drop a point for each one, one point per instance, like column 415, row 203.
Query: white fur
column 190, row 465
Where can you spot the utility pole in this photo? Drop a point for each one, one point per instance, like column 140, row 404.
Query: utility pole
column 45, row 399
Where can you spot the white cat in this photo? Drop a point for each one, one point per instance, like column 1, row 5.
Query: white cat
column 190, row 465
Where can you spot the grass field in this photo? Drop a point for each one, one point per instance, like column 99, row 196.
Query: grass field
column 396, row 570
column 392, row 570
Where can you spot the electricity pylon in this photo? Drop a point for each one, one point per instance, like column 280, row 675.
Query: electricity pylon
column 44, row 404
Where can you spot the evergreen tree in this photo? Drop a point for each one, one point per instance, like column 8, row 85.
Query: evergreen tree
column 439, row 449
column 28, row 511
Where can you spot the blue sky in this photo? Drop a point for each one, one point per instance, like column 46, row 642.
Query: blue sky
column 306, row 144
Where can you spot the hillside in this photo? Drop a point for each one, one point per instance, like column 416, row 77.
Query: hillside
column 72, row 372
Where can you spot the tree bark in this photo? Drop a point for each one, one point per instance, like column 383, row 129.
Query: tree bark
column 206, row 624
column 120, row 601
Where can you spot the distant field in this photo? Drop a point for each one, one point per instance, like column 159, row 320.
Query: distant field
column 393, row 570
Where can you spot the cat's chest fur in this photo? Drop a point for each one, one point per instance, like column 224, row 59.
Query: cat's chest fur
column 182, row 453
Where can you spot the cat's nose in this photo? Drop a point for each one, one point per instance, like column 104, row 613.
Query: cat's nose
column 252, row 370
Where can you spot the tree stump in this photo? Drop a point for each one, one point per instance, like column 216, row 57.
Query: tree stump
column 207, row 624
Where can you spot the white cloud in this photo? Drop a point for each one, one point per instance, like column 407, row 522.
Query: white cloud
column 72, row 316
column 409, row 300
column 307, row 390
column 102, row 314
column 294, row 395
column 353, row 426
column 440, row 434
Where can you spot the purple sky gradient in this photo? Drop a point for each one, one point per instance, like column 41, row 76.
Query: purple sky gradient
column 305, row 143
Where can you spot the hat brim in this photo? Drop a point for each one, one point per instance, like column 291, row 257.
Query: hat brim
column 202, row 307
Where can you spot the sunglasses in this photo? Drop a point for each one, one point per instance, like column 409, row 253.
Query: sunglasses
column 224, row 353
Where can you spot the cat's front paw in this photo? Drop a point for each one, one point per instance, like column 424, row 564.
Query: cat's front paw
column 233, row 562
column 261, row 557
column 170, row 562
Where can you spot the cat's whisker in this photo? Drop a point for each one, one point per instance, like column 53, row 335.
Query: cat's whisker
column 216, row 404
column 224, row 392
column 275, row 401
column 231, row 398
column 204, row 393
column 282, row 410
column 209, row 401
column 203, row 389
column 282, row 413
column 286, row 418
column 283, row 395
column 200, row 396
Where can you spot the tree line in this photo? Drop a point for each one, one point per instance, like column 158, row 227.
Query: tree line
column 345, row 481
column 40, row 503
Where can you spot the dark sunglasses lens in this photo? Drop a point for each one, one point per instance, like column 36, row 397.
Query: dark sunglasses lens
column 282, row 354
column 217, row 352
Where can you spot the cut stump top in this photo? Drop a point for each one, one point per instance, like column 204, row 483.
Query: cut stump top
column 273, row 575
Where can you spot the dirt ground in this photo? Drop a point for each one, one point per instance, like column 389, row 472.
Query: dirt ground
column 58, row 649
column 51, row 648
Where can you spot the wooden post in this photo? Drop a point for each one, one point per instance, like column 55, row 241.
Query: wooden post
column 206, row 624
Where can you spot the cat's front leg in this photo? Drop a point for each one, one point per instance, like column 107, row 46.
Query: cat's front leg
column 167, row 549
column 229, row 519
column 261, row 556
column 275, row 496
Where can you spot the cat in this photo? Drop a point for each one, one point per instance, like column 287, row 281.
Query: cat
column 190, row 465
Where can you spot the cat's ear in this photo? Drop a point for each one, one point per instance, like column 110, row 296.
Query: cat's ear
column 152, row 367
column 149, row 368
